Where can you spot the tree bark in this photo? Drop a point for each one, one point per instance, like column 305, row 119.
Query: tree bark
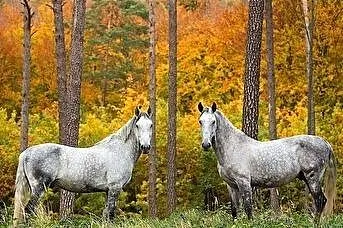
column 24, row 130
column 252, row 68
column 76, row 68
column 308, row 15
column 172, row 93
column 60, row 53
column 69, row 88
column 274, row 201
column 308, row 11
column 252, row 74
column 152, row 99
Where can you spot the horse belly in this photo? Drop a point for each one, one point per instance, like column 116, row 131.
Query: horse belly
column 80, row 185
column 81, row 177
column 275, row 174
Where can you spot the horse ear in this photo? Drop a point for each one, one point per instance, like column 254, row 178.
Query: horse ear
column 200, row 107
column 149, row 111
column 214, row 107
column 137, row 111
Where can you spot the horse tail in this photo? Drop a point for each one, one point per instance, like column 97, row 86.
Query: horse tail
column 21, row 188
column 330, row 184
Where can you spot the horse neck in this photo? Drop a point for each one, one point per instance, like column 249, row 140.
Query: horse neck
column 134, row 151
column 227, row 135
column 124, row 138
column 225, row 129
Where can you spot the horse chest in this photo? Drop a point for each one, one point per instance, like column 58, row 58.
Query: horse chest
column 227, row 177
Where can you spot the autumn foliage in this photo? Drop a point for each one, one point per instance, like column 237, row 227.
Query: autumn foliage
column 211, row 46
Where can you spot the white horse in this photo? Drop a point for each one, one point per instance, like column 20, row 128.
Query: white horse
column 105, row 167
column 244, row 163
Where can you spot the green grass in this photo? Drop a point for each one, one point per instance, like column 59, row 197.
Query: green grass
column 189, row 218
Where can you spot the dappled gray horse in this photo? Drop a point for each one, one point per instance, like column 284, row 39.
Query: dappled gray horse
column 244, row 163
column 105, row 167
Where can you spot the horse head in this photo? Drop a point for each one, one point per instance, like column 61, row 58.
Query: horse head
column 208, row 125
column 143, row 129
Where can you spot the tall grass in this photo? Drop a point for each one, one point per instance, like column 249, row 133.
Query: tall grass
column 181, row 219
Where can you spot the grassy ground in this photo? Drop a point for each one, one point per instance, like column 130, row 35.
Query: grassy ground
column 190, row 218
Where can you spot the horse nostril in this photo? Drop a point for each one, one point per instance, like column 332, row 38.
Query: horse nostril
column 206, row 145
column 148, row 147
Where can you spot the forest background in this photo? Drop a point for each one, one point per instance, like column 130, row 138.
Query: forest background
column 211, row 51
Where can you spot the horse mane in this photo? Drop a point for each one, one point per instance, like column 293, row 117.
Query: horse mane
column 222, row 119
column 125, row 131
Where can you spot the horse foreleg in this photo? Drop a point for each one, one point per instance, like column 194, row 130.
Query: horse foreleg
column 234, row 195
column 112, row 197
column 245, row 190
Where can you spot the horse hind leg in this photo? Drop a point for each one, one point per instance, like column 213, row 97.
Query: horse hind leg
column 36, row 193
column 312, row 180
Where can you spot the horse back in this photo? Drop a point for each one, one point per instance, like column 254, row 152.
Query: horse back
column 276, row 162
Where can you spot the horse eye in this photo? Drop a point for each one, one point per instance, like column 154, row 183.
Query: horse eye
column 136, row 126
column 213, row 122
column 199, row 122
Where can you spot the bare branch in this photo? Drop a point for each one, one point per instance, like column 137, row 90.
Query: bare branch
column 33, row 33
column 52, row 8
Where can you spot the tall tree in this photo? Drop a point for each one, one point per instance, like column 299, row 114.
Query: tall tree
column 252, row 68
column 69, row 87
column 116, row 34
column 252, row 71
column 274, row 202
column 27, row 19
column 152, row 98
column 172, row 93
column 308, row 12
column 60, row 52
column 74, row 93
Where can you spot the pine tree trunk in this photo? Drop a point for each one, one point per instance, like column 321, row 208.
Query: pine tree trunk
column 252, row 68
column 24, row 131
column 60, row 53
column 66, row 201
column 274, row 201
column 76, row 68
column 308, row 14
column 152, row 98
column 74, row 94
column 308, row 10
column 172, row 92
column 252, row 74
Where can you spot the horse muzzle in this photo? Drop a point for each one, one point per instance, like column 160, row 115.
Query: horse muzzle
column 145, row 148
column 206, row 145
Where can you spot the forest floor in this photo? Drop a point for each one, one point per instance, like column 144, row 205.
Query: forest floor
column 185, row 219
